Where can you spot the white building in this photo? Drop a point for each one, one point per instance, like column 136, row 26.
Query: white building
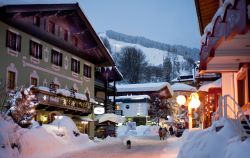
column 134, row 105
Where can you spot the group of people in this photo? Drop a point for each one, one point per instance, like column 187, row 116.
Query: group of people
column 163, row 132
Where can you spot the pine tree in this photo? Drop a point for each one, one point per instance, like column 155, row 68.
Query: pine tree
column 21, row 106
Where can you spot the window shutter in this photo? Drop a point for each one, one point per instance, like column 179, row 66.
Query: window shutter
column 60, row 59
column 78, row 65
column 19, row 43
column 52, row 55
column 40, row 51
column 30, row 47
column 72, row 60
column 7, row 38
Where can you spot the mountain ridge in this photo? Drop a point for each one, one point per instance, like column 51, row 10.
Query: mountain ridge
column 186, row 52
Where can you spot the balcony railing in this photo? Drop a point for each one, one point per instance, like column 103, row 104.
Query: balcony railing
column 60, row 101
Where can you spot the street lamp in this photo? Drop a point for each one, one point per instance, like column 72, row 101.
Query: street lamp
column 193, row 102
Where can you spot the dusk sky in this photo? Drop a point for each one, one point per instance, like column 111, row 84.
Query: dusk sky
column 168, row 21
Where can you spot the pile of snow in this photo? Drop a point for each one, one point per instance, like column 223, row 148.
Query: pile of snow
column 8, row 138
column 140, row 131
column 43, row 141
column 208, row 143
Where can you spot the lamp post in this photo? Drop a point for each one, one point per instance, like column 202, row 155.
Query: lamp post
column 193, row 102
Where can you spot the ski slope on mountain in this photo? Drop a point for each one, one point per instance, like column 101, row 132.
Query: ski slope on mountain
column 153, row 56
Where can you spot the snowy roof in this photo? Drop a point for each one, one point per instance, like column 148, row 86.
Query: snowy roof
column 219, row 13
column 133, row 97
column 144, row 87
column 215, row 84
column 67, row 93
column 183, row 87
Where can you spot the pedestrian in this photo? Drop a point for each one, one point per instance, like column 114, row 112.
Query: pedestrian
column 164, row 132
column 160, row 133
column 171, row 130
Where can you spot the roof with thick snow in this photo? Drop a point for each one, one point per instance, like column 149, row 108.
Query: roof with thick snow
column 133, row 97
column 144, row 87
column 215, row 84
column 183, row 87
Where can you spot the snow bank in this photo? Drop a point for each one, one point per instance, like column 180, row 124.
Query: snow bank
column 7, row 139
column 43, row 141
column 140, row 131
column 208, row 143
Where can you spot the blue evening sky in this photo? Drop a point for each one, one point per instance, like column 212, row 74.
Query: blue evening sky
column 168, row 21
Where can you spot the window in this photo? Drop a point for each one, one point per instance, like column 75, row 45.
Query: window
column 51, row 27
column 74, row 41
column 13, row 41
column 11, row 80
column 75, row 65
column 35, row 49
column 65, row 35
column 33, row 81
column 87, row 71
column 36, row 20
column 56, row 57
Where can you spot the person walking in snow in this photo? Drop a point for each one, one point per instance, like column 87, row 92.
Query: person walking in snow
column 164, row 132
column 171, row 130
column 160, row 133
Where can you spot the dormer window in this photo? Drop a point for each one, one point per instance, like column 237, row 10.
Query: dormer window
column 36, row 20
column 51, row 27
column 74, row 41
column 66, row 35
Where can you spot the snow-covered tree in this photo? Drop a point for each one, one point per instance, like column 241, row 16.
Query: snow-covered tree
column 132, row 63
column 167, row 69
column 21, row 106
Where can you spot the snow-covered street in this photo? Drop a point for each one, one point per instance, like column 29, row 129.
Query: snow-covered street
column 142, row 147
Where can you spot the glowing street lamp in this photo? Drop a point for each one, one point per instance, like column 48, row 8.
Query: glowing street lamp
column 181, row 99
column 194, row 103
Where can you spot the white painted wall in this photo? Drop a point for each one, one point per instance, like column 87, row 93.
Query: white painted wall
column 229, row 86
column 135, row 109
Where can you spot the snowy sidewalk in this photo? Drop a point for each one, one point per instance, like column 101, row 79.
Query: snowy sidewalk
column 142, row 147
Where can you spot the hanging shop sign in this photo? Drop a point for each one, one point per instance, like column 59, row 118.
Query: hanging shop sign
column 99, row 110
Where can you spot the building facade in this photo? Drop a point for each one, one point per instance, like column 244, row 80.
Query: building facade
column 225, row 46
column 55, row 48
